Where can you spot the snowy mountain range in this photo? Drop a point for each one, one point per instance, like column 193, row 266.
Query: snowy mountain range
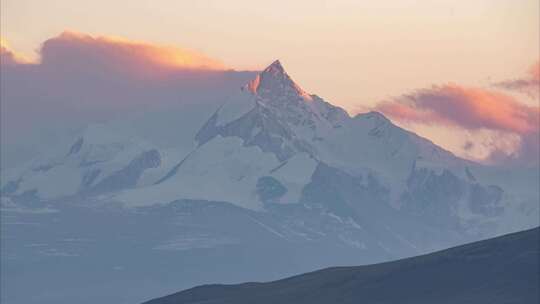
column 277, row 163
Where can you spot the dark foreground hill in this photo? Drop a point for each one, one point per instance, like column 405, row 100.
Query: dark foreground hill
column 499, row 270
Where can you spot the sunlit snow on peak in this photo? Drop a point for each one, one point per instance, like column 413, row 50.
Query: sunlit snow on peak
column 274, row 80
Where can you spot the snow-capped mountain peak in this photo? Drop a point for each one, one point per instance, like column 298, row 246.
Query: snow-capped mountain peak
column 271, row 142
column 275, row 114
column 275, row 80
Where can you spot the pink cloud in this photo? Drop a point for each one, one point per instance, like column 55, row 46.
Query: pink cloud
column 535, row 72
column 472, row 109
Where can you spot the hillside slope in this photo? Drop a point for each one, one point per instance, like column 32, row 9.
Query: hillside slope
column 499, row 270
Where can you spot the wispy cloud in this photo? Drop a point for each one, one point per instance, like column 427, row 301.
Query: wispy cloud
column 529, row 84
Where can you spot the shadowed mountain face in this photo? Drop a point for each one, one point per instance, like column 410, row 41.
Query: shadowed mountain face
column 499, row 270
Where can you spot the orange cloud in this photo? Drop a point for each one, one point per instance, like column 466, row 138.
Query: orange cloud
column 10, row 57
column 81, row 79
column 124, row 54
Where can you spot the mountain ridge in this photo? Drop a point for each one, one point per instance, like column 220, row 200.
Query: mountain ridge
column 499, row 270
column 270, row 119
column 252, row 186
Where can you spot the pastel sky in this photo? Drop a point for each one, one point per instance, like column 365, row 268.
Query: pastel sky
column 391, row 55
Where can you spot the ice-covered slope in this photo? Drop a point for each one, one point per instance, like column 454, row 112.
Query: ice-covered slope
column 134, row 151
column 102, row 159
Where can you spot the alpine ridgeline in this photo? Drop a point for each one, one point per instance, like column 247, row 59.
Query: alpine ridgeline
column 273, row 181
